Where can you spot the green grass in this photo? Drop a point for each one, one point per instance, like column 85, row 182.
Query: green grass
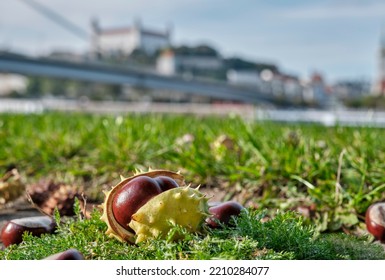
column 283, row 237
column 336, row 171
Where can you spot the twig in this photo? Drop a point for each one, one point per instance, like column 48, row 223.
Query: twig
column 37, row 207
column 84, row 205
column 338, row 185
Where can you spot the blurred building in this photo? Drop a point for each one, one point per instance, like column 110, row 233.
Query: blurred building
column 124, row 40
column 201, row 61
column 317, row 92
column 292, row 87
column 10, row 83
column 268, row 81
column 244, row 77
column 351, row 89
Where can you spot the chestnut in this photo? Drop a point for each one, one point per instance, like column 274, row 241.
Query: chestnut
column 132, row 196
column 222, row 213
column 166, row 183
column 375, row 220
column 148, row 204
column 70, row 254
column 13, row 230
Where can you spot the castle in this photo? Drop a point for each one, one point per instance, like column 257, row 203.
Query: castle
column 124, row 40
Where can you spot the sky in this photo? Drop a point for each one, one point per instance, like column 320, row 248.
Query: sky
column 339, row 39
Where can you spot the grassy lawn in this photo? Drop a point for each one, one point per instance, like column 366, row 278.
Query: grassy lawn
column 329, row 174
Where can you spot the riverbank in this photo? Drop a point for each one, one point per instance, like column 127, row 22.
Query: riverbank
column 341, row 116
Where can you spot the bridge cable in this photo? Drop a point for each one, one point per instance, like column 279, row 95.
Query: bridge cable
column 58, row 19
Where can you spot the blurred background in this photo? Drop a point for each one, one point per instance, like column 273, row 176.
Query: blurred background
column 323, row 57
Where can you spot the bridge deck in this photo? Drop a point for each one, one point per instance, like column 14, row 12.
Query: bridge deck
column 102, row 73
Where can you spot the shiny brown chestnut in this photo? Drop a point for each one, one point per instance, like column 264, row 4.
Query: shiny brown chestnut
column 70, row 254
column 375, row 220
column 222, row 213
column 166, row 183
column 13, row 230
column 132, row 196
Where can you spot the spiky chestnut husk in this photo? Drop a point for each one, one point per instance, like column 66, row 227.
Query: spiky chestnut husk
column 185, row 207
column 115, row 229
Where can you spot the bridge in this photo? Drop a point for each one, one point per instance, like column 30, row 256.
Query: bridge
column 113, row 74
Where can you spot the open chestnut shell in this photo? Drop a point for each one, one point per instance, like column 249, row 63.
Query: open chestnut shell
column 130, row 195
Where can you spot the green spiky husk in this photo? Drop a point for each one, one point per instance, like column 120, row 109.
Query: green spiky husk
column 184, row 206
column 114, row 229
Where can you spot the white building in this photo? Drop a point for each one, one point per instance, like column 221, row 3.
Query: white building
column 12, row 82
column 268, row 82
column 124, row 40
column 169, row 63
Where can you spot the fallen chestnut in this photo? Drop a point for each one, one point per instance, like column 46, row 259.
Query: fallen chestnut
column 222, row 213
column 375, row 220
column 70, row 254
column 132, row 196
column 13, row 230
